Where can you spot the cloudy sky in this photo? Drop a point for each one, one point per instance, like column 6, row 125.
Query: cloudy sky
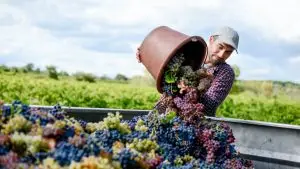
column 101, row 36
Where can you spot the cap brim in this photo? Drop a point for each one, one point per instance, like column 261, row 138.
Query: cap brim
column 227, row 41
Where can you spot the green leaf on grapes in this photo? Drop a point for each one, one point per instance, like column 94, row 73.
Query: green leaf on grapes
column 170, row 77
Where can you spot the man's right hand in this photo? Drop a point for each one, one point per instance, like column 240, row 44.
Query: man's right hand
column 138, row 56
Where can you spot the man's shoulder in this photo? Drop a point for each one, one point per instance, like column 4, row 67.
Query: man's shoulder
column 225, row 68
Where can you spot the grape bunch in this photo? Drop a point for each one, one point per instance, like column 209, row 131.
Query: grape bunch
column 178, row 76
column 190, row 85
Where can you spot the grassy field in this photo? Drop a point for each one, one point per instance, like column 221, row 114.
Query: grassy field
column 253, row 101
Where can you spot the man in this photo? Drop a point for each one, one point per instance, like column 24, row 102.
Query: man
column 220, row 47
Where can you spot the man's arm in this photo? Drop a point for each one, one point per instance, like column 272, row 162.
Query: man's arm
column 218, row 91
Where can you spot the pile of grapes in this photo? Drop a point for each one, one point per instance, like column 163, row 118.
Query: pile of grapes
column 179, row 137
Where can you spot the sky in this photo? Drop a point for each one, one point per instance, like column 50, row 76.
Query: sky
column 101, row 36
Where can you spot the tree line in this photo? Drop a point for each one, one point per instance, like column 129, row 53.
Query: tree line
column 52, row 72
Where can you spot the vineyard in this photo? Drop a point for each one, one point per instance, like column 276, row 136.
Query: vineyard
column 38, row 89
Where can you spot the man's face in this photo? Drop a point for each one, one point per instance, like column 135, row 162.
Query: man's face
column 218, row 51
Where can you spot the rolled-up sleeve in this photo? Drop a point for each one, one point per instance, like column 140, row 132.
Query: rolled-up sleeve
column 220, row 88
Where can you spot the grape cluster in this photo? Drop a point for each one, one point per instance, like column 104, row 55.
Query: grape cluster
column 65, row 153
column 177, row 73
column 78, row 141
column 190, row 85
column 9, row 160
column 102, row 140
column 188, row 107
column 127, row 158
column 4, row 144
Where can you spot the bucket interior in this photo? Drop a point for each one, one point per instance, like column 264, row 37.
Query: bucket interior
column 194, row 52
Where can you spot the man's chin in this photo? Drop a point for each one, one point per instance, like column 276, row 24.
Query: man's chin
column 215, row 62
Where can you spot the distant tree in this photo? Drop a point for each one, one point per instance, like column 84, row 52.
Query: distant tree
column 121, row 77
column 63, row 73
column 237, row 71
column 104, row 77
column 29, row 67
column 37, row 70
column 15, row 69
column 23, row 69
column 237, row 87
column 52, row 72
column 81, row 76
column 4, row 68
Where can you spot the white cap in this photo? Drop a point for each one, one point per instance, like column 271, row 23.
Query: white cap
column 228, row 35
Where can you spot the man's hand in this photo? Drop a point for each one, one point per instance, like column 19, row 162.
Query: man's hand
column 138, row 56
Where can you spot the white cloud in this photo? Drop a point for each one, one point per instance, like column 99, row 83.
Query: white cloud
column 294, row 60
column 29, row 30
column 260, row 71
column 251, row 67
column 5, row 50
column 38, row 46
column 266, row 68
column 275, row 19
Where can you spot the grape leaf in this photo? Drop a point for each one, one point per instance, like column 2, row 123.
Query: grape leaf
column 170, row 77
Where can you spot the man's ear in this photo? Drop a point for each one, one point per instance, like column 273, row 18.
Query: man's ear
column 211, row 40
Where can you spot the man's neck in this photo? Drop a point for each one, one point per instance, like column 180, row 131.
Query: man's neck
column 208, row 65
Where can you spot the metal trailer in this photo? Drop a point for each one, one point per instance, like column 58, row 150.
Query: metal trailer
column 269, row 145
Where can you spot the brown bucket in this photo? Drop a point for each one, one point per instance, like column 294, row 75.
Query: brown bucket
column 162, row 43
